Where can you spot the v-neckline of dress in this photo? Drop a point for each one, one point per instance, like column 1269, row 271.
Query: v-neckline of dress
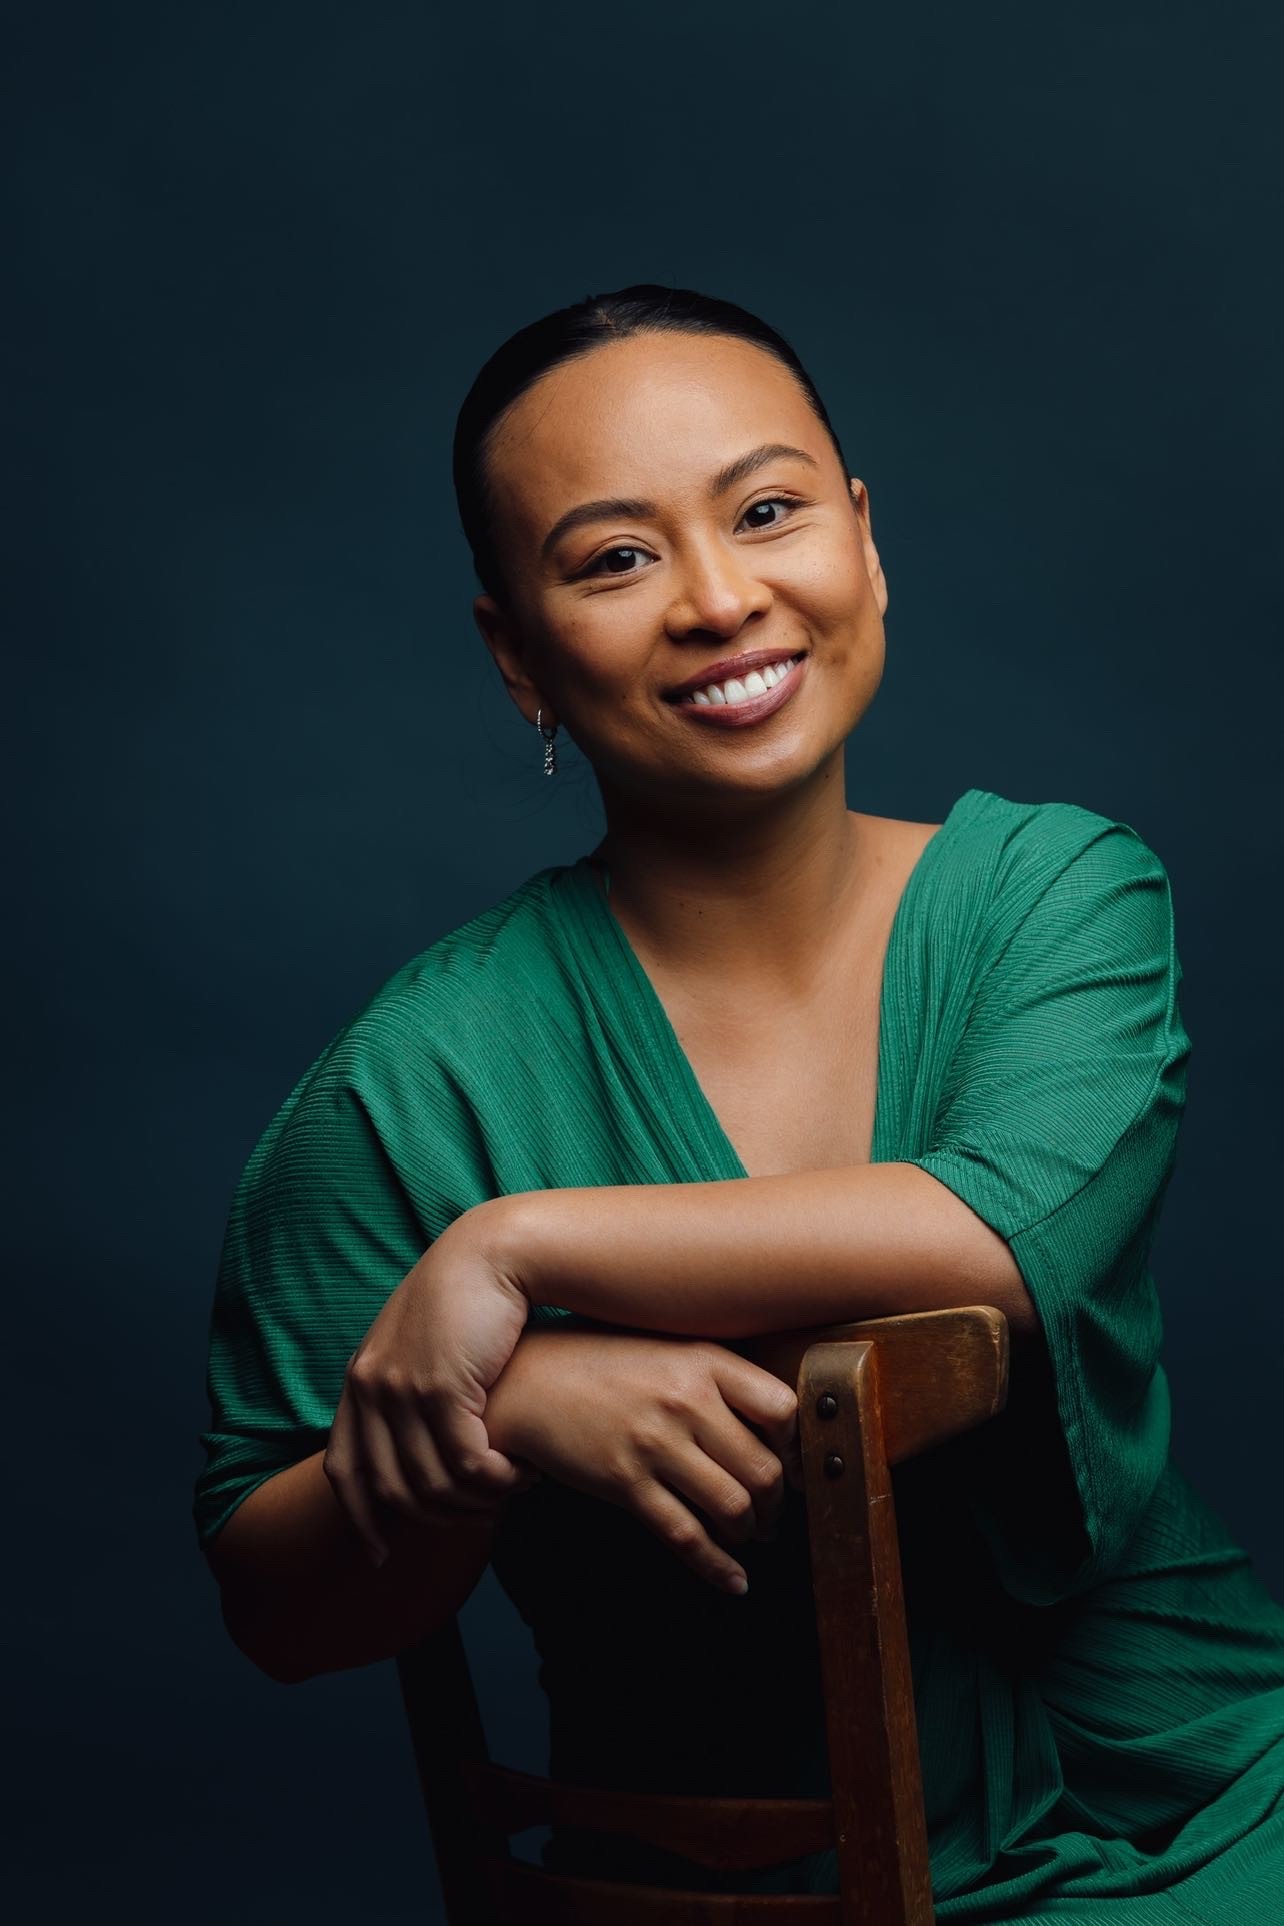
column 645, row 1016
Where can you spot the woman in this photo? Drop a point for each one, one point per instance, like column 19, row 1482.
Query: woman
column 759, row 1062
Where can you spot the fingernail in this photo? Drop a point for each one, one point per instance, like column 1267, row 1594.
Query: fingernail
column 378, row 1558
column 738, row 1584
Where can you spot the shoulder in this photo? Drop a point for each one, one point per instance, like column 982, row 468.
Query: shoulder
column 385, row 1118
column 1007, row 886
column 1057, row 892
column 984, row 824
column 1024, row 851
column 995, row 858
column 445, row 1008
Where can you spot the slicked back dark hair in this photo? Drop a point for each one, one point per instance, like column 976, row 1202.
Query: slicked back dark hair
column 644, row 308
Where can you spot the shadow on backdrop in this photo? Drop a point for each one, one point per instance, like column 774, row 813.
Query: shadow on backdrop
column 260, row 254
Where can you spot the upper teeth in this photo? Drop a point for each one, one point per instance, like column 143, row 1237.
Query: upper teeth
column 734, row 690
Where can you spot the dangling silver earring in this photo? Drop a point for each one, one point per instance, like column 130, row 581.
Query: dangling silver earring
column 548, row 730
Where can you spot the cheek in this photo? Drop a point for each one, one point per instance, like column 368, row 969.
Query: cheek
column 832, row 580
column 594, row 651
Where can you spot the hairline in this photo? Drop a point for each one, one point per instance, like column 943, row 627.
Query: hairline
column 485, row 442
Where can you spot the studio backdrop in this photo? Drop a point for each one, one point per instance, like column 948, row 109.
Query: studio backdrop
column 257, row 254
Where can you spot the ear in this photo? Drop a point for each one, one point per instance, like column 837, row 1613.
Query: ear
column 873, row 567
column 504, row 640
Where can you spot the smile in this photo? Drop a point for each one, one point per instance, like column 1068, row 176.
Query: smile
column 740, row 700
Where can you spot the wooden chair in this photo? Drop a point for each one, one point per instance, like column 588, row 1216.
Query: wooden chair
column 869, row 1395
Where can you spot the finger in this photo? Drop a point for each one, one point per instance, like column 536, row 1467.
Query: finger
column 734, row 1479
column 785, row 1443
column 381, row 1471
column 767, row 1402
column 768, row 1456
column 341, row 1467
column 758, row 1395
column 676, row 1526
column 450, row 1511
column 751, row 1488
column 439, row 1495
column 467, row 1452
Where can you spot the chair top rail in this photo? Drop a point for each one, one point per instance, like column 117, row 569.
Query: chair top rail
column 941, row 1372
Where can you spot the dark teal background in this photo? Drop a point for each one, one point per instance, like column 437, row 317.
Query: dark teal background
column 256, row 255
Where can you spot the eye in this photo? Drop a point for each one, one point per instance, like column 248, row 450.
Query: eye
column 771, row 501
column 610, row 557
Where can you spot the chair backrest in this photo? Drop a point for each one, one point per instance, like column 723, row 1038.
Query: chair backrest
column 869, row 1395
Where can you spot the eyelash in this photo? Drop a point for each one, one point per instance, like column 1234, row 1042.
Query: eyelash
column 790, row 502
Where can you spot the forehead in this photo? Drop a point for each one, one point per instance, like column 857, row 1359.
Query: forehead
column 654, row 415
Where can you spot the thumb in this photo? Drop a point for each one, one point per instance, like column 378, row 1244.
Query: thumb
column 471, row 1457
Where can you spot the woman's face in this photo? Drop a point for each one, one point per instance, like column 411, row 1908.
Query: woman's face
column 665, row 505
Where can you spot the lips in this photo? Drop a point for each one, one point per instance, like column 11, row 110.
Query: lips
column 742, row 715
column 738, row 665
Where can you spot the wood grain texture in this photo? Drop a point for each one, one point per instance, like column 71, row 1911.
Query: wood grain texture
column 940, row 1372
column 870, row 1394
column 881, row 1836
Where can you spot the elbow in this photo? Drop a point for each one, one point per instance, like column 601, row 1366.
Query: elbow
column 256, row 1628
column 999, row 1282
column 994, row 1277
column 278, row 1658
column 279, row 1667
column 1023, row 1320
column 1011, row 1296
column 280, row 1673
column 976, row 1263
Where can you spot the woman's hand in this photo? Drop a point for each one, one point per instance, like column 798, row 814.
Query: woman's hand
column 648, row 1422
column 408, row 1437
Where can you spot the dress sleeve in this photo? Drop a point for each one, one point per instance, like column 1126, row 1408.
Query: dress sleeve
column 373, row 1153
column 321, row 1231
column 1058, row 1126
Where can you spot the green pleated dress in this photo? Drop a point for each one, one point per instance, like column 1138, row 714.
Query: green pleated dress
column 1099, row 1676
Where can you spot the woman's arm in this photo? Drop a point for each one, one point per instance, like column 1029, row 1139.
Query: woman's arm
column 731, row 1259
column 739, row 1257
column 639, row 1421
column 300, row 1595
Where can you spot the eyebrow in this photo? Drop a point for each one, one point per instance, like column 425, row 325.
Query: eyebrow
column 629, row 508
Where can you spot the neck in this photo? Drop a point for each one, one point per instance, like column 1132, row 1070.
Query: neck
column 746, row 900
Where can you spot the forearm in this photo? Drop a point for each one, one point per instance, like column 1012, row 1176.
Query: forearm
column 301, row 1596
column 736, row 1258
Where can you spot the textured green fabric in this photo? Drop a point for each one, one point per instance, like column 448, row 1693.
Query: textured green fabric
column 1099, row 1676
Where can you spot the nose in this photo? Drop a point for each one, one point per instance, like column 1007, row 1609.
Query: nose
column 715, row 592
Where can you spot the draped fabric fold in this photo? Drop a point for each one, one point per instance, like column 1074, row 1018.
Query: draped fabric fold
column 1099, row 1677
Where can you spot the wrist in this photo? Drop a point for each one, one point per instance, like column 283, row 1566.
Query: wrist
column 516, row 1394
column 512, row 1232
